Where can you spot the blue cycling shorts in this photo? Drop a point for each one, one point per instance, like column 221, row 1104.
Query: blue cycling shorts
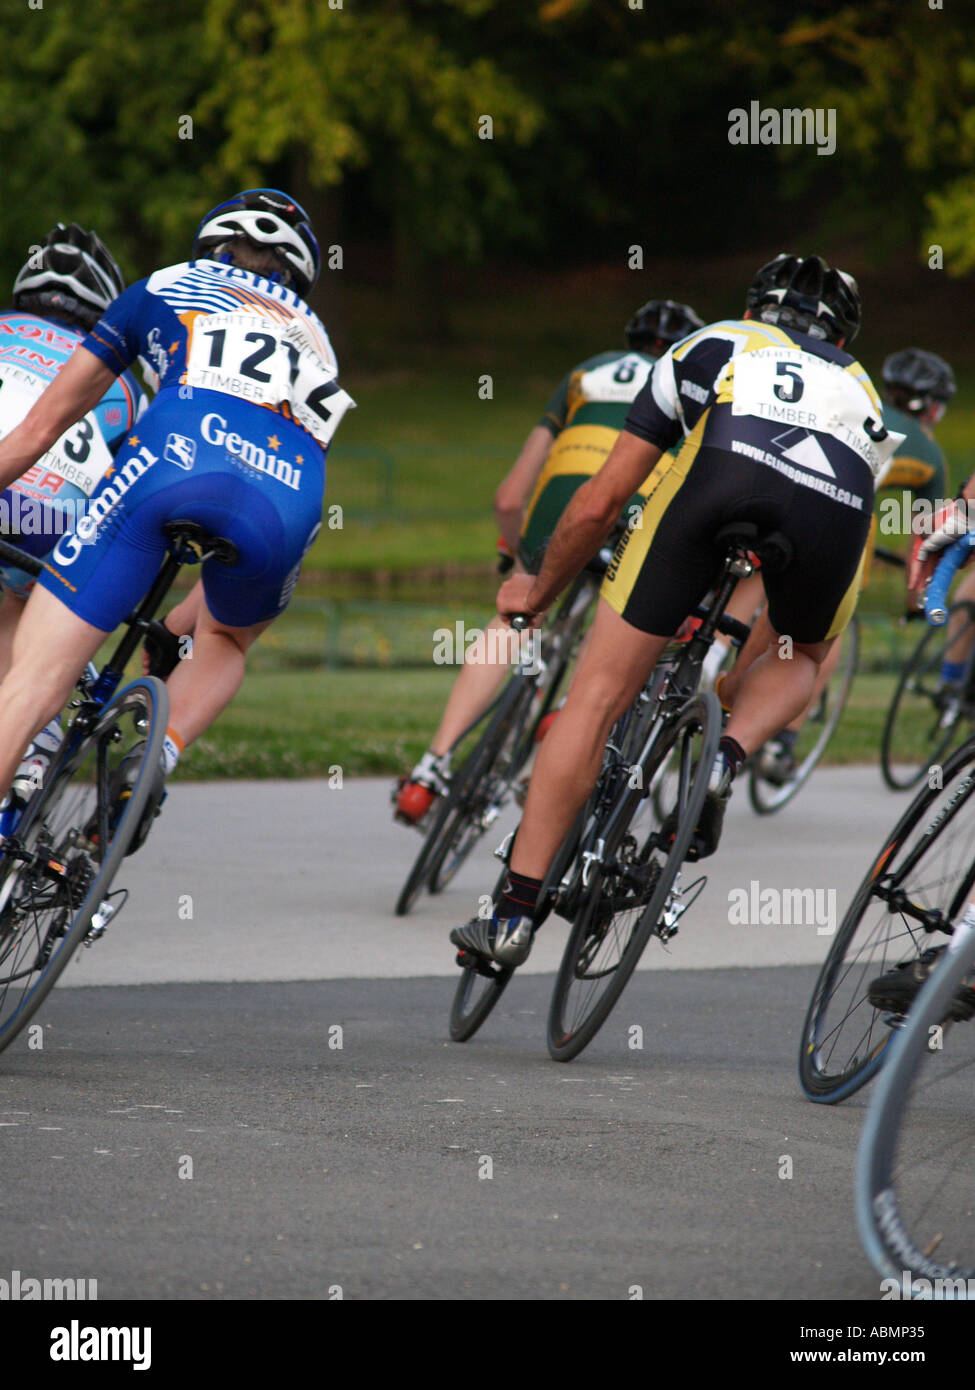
column 241, row 471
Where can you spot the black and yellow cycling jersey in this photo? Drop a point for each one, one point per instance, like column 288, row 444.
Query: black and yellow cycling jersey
column 778, row 429
column 585, row 415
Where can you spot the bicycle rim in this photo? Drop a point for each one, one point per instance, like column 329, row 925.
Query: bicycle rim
column 638, row 883
column 74, row 840
column 915, row 1183
column 916, row 884
column 923, row 722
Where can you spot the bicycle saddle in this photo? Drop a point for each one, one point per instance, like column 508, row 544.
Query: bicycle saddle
column 772, row 548
column 190, row 533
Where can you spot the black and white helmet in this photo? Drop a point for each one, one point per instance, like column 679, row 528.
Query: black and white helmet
column 269, row 218
column 71, row 275
column 659, row 324
column 806, row 294
column 922, row 376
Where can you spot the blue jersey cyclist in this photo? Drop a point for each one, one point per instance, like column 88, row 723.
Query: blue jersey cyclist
column 235, row 440
column 61, row 292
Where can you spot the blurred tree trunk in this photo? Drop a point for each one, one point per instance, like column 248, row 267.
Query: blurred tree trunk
column 419, row 279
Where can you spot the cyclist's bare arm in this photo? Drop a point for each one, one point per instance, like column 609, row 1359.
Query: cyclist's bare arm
column 583, row 526
column 78, row 387
column 517, row 486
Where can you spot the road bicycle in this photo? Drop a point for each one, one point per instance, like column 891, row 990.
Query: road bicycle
column 485, row 781
column 908, row 900
column 64, row 848
column 928, row 714
column 618, row 876
column 915, row 1175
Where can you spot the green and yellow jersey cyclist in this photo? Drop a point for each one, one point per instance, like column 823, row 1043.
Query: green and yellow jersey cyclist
column 566, row 448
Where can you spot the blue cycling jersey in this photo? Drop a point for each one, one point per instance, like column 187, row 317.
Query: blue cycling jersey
column 236, row 439
column 47, row 500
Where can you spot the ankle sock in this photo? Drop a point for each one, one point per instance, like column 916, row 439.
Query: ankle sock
column 732, row 752
column 952, row 671
column 172, row 747
column 519, row 896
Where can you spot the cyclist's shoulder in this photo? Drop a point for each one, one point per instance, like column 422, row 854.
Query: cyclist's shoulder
column 917, row 441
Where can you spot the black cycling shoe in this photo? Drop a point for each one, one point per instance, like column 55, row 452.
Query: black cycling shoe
column 707, row 832
column 895, row 992
column 120, row 786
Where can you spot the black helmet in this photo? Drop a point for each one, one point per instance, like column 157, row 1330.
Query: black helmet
column 71, row 275
column 268, row 218
column 805, row 294
column 660, row 323
column 924, row 376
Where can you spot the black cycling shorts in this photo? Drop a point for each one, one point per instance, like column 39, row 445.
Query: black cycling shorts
column 664, row 567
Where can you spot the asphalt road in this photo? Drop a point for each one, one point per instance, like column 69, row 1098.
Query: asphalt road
column 191, row 1127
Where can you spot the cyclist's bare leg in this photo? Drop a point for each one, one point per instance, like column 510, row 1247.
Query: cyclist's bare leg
column 744, row 603
column 482, row 675
column 775, row 689
column 50, row 649
column 825, row 672
column 205, row 683
column 11, row 607
column 612, row 670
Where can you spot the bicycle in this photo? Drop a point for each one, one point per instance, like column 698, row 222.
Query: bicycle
column 912, row 891
column 617, row 875
column 915, row 1171
column 926, row 714
column 484, row 782
column 64, row 848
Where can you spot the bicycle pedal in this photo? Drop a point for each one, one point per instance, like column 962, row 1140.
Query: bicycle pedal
column 104, row 913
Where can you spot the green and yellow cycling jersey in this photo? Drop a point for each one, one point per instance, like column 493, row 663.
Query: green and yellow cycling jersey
column 585, row 415
column 918, row 464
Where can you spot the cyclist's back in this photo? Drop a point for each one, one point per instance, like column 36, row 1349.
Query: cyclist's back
column 235, row 439
column 780, row 429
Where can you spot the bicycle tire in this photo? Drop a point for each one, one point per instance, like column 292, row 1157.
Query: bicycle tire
column 466, row 1016
column 923, row 664
column 910, row 1205
column 844, row 1038
column 701, row 714
column 30, row 889
column 764, row 796
column 449, row 816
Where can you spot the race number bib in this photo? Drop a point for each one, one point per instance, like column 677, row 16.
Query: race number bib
column 262, row 360
column 790, row 387
column 615, row 381
column 80, row 456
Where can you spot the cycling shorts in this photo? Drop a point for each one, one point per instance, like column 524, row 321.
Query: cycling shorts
column 576, row 455
column 662, row 569
column 236, row 469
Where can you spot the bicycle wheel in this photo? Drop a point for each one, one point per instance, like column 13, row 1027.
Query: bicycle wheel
column 56, row 872
column 820, row 725
column 911, row 894
column 455, row 828
column 924, row 717
column 915, row 1179
column 479, row 988
column 634, row 889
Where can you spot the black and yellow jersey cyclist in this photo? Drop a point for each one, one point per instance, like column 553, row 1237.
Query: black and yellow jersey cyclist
column 565, row 449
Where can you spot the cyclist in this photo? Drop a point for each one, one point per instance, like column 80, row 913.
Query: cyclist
column 781, row 428
column 917, row 388
column 567, row 446
column 235, row 440
column 60, row 293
